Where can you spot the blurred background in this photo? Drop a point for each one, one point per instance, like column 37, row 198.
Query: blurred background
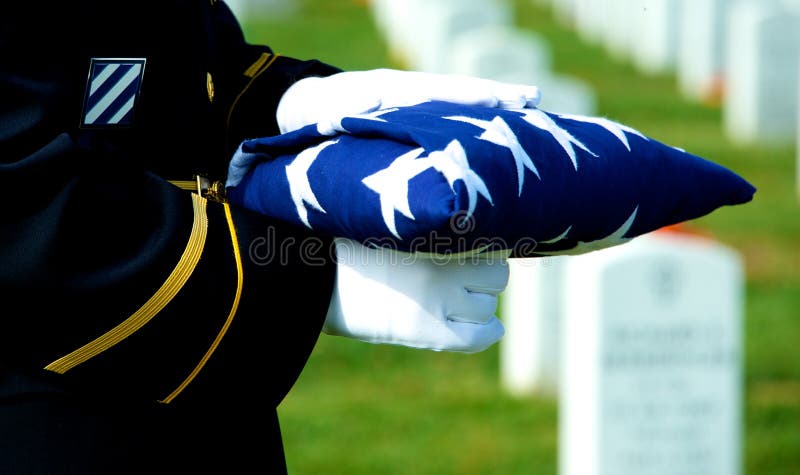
column 695, row 74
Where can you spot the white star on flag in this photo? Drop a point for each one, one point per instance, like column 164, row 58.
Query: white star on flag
column 613, row 239
column 539, row 119
column 452, row 163
column 391, row 184
column 498, row 132
column 615, row 128
column 333, row 127
column 299, row 186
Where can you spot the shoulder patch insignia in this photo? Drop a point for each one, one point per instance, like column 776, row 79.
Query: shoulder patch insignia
column 112, row 90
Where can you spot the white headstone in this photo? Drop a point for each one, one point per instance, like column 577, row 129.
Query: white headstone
column 762, row 57
column 530, row 311
column 566, row 94
column 651, row 368
column 437, row 23
column 590, row 19
column 516, row 56
column 499, row 51
column 239, row 8
column 621, row 24
column 700, row 62
column 564, row 12
column 383, row 16
column 395, row 21
column 656, row 36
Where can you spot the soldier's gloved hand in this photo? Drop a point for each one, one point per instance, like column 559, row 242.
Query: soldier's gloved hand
column 392, row 297
column 326, row 100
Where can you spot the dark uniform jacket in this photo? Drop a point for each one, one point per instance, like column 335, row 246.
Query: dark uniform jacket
column 144, row 328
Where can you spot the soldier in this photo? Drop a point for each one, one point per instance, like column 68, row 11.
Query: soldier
column 139, row 333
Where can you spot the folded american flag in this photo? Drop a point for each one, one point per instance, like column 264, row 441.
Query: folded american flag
column 448, row 178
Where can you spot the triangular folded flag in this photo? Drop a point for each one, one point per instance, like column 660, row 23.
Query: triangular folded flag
column 448, row 178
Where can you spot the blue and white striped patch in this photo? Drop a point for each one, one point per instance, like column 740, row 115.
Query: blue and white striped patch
column 112, row 91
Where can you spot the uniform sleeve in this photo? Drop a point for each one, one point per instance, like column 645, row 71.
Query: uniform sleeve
column 116, row 282
column 261, row 75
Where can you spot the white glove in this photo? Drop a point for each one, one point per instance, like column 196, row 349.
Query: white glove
column 397, row 298
column 326, row 100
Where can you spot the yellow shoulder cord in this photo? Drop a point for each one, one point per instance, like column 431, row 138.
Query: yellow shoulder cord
column 216, row 191
column 182, row 271
column 259, row 66
column 168, row 290
column 240, row 281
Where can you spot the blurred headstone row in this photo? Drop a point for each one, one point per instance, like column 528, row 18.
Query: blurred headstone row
column 477, row 38
column 743, row 55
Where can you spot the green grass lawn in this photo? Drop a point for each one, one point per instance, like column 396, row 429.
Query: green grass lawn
column 366, row 409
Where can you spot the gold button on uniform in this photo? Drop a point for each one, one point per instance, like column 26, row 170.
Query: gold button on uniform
column 210, row 87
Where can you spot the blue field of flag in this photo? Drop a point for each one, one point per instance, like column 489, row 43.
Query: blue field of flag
column 441, row 177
